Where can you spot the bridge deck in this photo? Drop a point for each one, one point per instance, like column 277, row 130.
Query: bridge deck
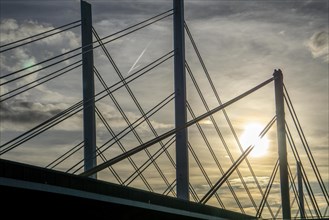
column 29, row 190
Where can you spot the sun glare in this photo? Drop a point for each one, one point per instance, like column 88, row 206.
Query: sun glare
column 250, row 136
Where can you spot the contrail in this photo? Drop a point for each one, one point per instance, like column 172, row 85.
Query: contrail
column 138, row 58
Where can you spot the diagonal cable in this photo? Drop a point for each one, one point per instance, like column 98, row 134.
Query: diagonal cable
column 268, row 189
column 225, row 113
column 169, row 188
column 66, row 155
column 193, row 193
column 139, row 107
column 110, row 130
column 305, row 178
column 148, row 162
column 56, row 119
column 294, row 188
column 306, row 145
column 49, row 77
column 135, row 124
column 129, row 125
column 173, row 131
column 111, row 169
column 80, row 53
column 204, row 173
column 214, row 158
column 227, row 174
column 219, row 132
column 37, row 35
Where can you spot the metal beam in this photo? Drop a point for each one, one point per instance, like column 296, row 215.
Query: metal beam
column 139, row 148
column 89, row 126
column 281, row 134
column 182, row 168
column 226, row 175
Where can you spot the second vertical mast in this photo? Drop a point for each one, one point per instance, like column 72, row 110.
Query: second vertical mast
column 89, row 125
column 281, row 132
column 182, row 165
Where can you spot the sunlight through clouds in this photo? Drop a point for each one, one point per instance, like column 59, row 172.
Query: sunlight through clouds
column 251, row 136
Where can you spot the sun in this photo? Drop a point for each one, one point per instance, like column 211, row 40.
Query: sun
column 250, row 136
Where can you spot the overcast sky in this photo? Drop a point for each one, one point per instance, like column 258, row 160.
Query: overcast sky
column 241, row 43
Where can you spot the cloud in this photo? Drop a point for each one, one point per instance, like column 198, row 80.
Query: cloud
column 12, row 30
column 24, row 112
column 116, row 120
column 33, row 53
column 20, row 115
column 318, row 44
column 249, row 180
column 7, row 25
column 314, row 7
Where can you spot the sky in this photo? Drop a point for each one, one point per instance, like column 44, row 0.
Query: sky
column 241, row 43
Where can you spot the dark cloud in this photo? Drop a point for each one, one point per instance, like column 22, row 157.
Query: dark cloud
column 27, row 112
column 314, row 7
column 320, row 39
column 54, row 12
column 207, row 9
column 61, row 12
column 128, row 9
column 272, row 11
